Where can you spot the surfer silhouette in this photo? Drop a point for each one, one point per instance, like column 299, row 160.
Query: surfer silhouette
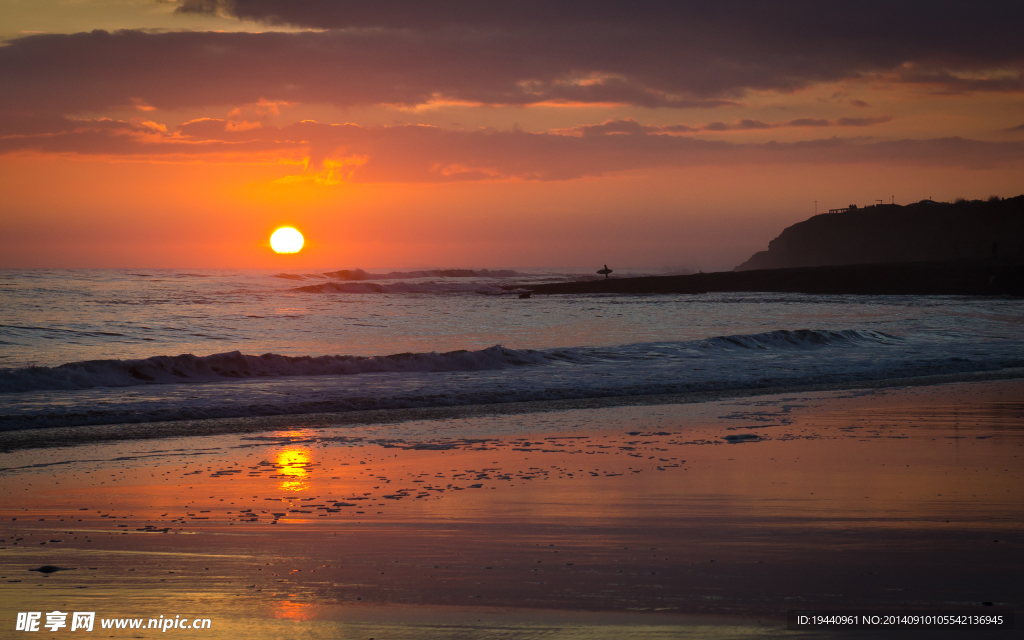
column 605, row 271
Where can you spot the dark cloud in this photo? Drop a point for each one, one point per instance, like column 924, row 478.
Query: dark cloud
column 629, row 125
column 868, row 34
column 945, row 80
column 1019, row 127
column 652, row 54
column 862, row 122
column 935, row 24
column 752, row 124
column 97, row 70
column 809, row 122
column 413, row 153
column 612, row 127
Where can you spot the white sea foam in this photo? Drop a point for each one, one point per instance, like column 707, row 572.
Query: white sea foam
column 236, row 365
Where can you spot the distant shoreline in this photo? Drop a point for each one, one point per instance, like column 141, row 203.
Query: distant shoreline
column 905, row 278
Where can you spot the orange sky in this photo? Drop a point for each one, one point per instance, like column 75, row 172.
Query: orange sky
column 564, row 135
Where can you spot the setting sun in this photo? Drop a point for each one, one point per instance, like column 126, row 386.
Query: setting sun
column 286, row 240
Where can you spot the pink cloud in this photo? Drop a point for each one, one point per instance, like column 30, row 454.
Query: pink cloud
column 413, row 153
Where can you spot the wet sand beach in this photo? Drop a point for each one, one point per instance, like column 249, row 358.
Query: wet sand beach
column 679, row 520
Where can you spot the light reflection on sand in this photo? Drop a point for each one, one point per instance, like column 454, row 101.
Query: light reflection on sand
column 289, row 610
column 293, row 463
column 889, row 499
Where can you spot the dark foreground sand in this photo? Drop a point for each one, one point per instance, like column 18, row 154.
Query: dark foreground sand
column 669, row 521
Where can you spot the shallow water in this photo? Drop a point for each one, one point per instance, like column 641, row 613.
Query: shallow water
column 100, row 347
column 55, row 317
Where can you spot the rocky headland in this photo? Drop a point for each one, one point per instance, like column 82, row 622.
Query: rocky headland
column 926, row 231
column 927, row 248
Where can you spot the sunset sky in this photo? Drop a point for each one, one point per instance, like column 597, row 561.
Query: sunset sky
column 459, row 133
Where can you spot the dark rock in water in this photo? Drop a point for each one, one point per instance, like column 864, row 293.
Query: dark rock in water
column 926, row 231
column 743, row 437
column 524, row 296
column 47, row 569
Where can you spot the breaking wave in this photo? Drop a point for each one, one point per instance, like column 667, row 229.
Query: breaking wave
column 236, row 365
column 221, row 366
column 801, row 339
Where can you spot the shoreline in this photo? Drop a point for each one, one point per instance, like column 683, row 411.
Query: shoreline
column 50, row 437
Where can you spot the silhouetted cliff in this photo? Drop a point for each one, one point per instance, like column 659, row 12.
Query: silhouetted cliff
column 922, row 232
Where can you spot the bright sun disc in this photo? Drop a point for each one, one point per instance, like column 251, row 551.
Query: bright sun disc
column 286, row 240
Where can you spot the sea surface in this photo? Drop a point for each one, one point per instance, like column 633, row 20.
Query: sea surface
column 110, row 346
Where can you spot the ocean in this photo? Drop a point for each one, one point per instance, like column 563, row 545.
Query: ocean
column 87, row 347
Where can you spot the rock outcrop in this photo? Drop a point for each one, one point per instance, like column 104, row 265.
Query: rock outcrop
column 966, row 230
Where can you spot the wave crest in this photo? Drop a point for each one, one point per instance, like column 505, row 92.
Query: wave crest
column 236, row 365
column 801, row 339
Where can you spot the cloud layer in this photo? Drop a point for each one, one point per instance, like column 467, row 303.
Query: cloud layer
column 652, row 54
column 413, row 153
column 390, row 52
column 790, row 41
